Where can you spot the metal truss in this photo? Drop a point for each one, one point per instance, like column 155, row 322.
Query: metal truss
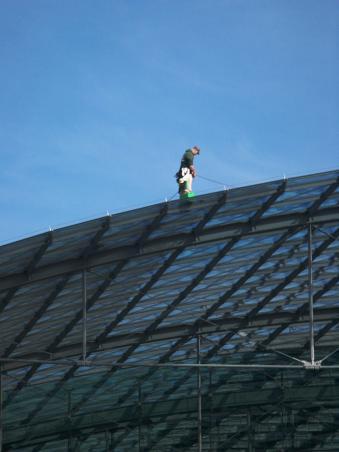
column 29, row 270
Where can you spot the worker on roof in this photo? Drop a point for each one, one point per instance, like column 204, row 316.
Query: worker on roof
column 187, row 171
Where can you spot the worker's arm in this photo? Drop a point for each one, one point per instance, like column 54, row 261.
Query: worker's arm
column 193, row 171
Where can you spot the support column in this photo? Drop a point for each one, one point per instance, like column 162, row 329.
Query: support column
column 310, row 291
column 1, row 409
column 211, row 418
column 140, row 418
column 84, row 315
column 69, row 415
column 107, row 445
column 249, row 431
column 199, row 396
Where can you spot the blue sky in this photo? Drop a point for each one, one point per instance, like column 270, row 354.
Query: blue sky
column 99, row 99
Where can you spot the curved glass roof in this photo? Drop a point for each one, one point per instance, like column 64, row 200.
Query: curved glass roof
column 102, row 325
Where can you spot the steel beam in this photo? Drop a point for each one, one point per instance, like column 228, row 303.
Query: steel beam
column 28, row 271
column 84, row 315
column 39, row 313
column 199, row 396
column 1, row 409
column 310, row 290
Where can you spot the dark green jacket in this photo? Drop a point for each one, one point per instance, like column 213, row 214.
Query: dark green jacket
column 187, row 159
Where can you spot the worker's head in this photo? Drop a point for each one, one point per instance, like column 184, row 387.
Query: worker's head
column 196, row 150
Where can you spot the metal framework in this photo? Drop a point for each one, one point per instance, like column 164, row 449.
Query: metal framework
column 204, row 326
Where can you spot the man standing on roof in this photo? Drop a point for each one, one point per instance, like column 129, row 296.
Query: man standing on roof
column 187, row 171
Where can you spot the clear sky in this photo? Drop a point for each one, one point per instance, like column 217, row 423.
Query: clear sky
column 99, row 99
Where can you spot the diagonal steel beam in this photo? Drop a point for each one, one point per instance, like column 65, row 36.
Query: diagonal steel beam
column 39, row 254
column 38, row 314
column 58, row 339
column 28, row 270
column 94, row 243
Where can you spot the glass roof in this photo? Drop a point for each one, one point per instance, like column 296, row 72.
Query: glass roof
column 229, row 280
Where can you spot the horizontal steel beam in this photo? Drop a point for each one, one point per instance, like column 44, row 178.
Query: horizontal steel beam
column 211, row 234
column 280, row 319
column 109, row 365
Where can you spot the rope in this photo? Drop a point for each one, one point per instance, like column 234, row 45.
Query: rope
column 213, row 181
column 173, row 196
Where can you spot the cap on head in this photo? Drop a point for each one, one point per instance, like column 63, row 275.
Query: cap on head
column 197, row 149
